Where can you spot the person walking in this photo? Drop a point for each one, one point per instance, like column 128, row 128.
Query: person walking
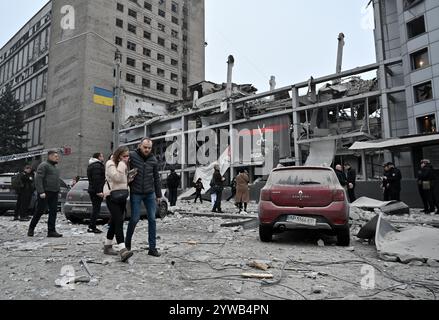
column 218, row 187
column 242, row 191
column 173, row 182
column 198, row 187
column 426, row 186
column 351, row 179
column 48, row 187
column 341, row 175
column 392, row 182
column 24, row 190
column 146, row 188
column 96, row 182
column 116, row 173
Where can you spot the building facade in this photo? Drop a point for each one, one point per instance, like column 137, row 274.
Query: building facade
column 163, row 53
column 409, row 30
column 24, row 66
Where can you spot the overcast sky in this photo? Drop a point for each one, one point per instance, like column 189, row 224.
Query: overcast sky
column 289, row 39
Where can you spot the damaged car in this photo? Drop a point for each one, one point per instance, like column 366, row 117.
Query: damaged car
column 304, row 198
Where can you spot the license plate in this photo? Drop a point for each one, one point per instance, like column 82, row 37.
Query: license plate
column 75, row 209
column 4, row 190
column 302, row 220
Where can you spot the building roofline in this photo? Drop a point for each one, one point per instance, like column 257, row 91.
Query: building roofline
column 15, row 34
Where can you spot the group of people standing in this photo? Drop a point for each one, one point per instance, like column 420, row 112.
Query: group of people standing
column 347, row 179
column 133, row 175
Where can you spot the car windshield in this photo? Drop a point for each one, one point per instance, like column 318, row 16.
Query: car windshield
column 82, row 184
column 301, row 178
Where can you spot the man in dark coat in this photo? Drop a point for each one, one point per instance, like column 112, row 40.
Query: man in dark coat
column 24, row 192
column 426, row 185
column 173, row 182
column 145, row 188
column 392, row 182
column 96, row 182
column 217, row 188
column 351, row 178
column 199, row 187
column 341, row 175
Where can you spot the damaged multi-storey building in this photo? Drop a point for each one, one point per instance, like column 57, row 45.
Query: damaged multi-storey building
column 384, row 111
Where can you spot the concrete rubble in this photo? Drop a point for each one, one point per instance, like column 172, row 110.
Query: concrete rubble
column 200, row 258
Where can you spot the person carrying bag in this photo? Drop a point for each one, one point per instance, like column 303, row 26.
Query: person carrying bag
column 116, row 194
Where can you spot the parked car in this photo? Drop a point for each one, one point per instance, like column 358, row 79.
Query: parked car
column 78, row 206
column 8, row 197
column 304, row 198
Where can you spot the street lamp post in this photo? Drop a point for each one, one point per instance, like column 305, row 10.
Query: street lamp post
column 117, row 90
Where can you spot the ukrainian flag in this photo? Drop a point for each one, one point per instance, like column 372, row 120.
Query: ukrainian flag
column 103, row 97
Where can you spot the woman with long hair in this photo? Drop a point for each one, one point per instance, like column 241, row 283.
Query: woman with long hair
column 116, row 173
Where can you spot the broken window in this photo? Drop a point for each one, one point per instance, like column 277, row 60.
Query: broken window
column 131, row 78
column 427, row 124
column 416, row 27
column 420, row 59
column 147, row 52
column 423, row 92
column 160, row 72
column 146, row 67
column 161, row 27
column 131, row 62
column 131, row 46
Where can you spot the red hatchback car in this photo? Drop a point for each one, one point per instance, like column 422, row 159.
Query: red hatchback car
column 304, row 198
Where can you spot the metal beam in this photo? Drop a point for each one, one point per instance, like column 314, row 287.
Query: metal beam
column 338, row 137
column 340, row 101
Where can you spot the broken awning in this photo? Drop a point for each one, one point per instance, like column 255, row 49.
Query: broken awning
column 392, row 143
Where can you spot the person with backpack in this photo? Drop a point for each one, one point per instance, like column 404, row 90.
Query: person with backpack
column 24, row 186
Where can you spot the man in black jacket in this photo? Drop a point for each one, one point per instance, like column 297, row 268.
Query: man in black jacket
column 96, row 182
column 217, row 188
column 340, row 175
column 24, row 192
column 351, row 178
column 392, row 182
column 173, row 182
column 426, row 185
column 146, row 188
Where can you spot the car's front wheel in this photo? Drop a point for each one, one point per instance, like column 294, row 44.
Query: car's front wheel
column 344, row 237
column 265, row 233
